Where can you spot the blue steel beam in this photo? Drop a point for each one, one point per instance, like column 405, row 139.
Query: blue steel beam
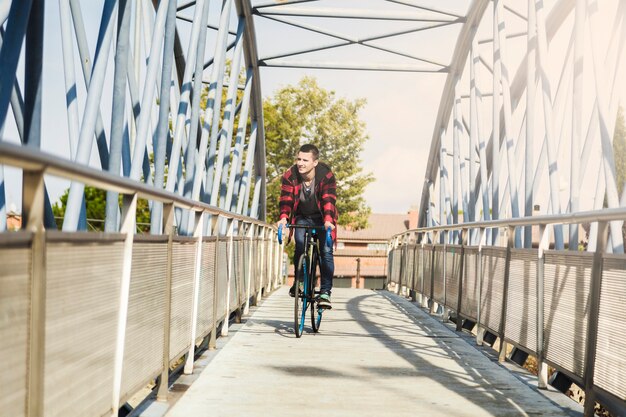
column 85, row 59
column 225, row 139
column 10, row 52
column 162, row 132
column 148, row 93
column 184, row 102
column 233, row 181
column 118, row 111
column 195, row 135
column 213, row 107
column 83, row 152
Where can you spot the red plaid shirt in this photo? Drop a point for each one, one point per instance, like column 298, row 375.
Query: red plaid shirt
column 325, row 193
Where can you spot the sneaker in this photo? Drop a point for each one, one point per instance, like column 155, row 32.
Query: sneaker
column 292, row 290
column 323, row 302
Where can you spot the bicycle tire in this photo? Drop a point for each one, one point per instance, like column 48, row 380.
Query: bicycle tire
column 299, row 299
column 316, row 313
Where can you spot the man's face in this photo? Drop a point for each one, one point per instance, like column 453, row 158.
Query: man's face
column 305, row 162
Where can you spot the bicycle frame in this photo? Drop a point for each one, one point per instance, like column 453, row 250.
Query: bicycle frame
column 310, row 254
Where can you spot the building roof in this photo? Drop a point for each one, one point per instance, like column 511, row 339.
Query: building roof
column 380, row 227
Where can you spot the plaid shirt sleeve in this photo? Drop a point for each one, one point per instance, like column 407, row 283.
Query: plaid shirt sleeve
column 329, row 198
column 287, row 195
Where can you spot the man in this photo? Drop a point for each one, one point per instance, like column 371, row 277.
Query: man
column 307, row 197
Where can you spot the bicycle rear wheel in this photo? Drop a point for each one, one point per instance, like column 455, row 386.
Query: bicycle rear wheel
column 316, row 313
column 300, row 301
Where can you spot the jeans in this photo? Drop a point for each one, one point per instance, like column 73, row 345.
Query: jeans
column 328, row 263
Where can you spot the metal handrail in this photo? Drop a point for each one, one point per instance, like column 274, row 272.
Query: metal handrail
column 31, row 159
column 591, row 216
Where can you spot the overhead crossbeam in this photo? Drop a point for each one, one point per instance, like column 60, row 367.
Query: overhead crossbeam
column 337, row 13
column 430, row 18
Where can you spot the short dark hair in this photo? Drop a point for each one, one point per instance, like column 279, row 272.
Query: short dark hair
column 308, row 148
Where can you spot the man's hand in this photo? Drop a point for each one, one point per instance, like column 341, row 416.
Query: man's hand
column 329, row 224
column 282, row 222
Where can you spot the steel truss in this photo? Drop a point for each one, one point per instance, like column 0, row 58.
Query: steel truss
column 151, row 56
column 562, row 99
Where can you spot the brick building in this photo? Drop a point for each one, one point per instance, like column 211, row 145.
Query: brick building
column 366, row 249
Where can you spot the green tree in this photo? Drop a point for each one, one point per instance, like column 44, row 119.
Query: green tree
column 96, row 204
column 307, row 113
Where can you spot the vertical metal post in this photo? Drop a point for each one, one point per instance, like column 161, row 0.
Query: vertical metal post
column 402, row 265
column 444, row 269
column 394, row 266
column 592, row 320
column 250, row 237
column 423, row 301
column 480, row 331
column 459, row 321
column 33, row 214
column 214, row 220
column 168, row 216
column 432, row 274
column 197, row 274
column 270, row 258
column 129, row 216
column 229, row 269
column 542, row 367
column 278, row 259
column 262, row 259
column 505, row 293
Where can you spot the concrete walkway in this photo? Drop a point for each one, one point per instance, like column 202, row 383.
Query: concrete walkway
column 376, row 355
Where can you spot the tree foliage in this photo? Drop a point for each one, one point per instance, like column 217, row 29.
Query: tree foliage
column 307, row 113
column 95, row 199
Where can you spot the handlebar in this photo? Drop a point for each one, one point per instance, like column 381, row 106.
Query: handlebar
column 329, row 237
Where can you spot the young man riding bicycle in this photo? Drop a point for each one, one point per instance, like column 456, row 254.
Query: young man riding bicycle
column 307, row 197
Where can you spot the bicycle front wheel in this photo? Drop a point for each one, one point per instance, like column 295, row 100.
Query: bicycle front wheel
column 316, row 313
column 300, row 301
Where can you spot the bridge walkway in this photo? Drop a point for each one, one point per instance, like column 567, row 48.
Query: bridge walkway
column 376, row 354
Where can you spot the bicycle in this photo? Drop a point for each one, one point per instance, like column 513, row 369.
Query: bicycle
column 306, row 275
